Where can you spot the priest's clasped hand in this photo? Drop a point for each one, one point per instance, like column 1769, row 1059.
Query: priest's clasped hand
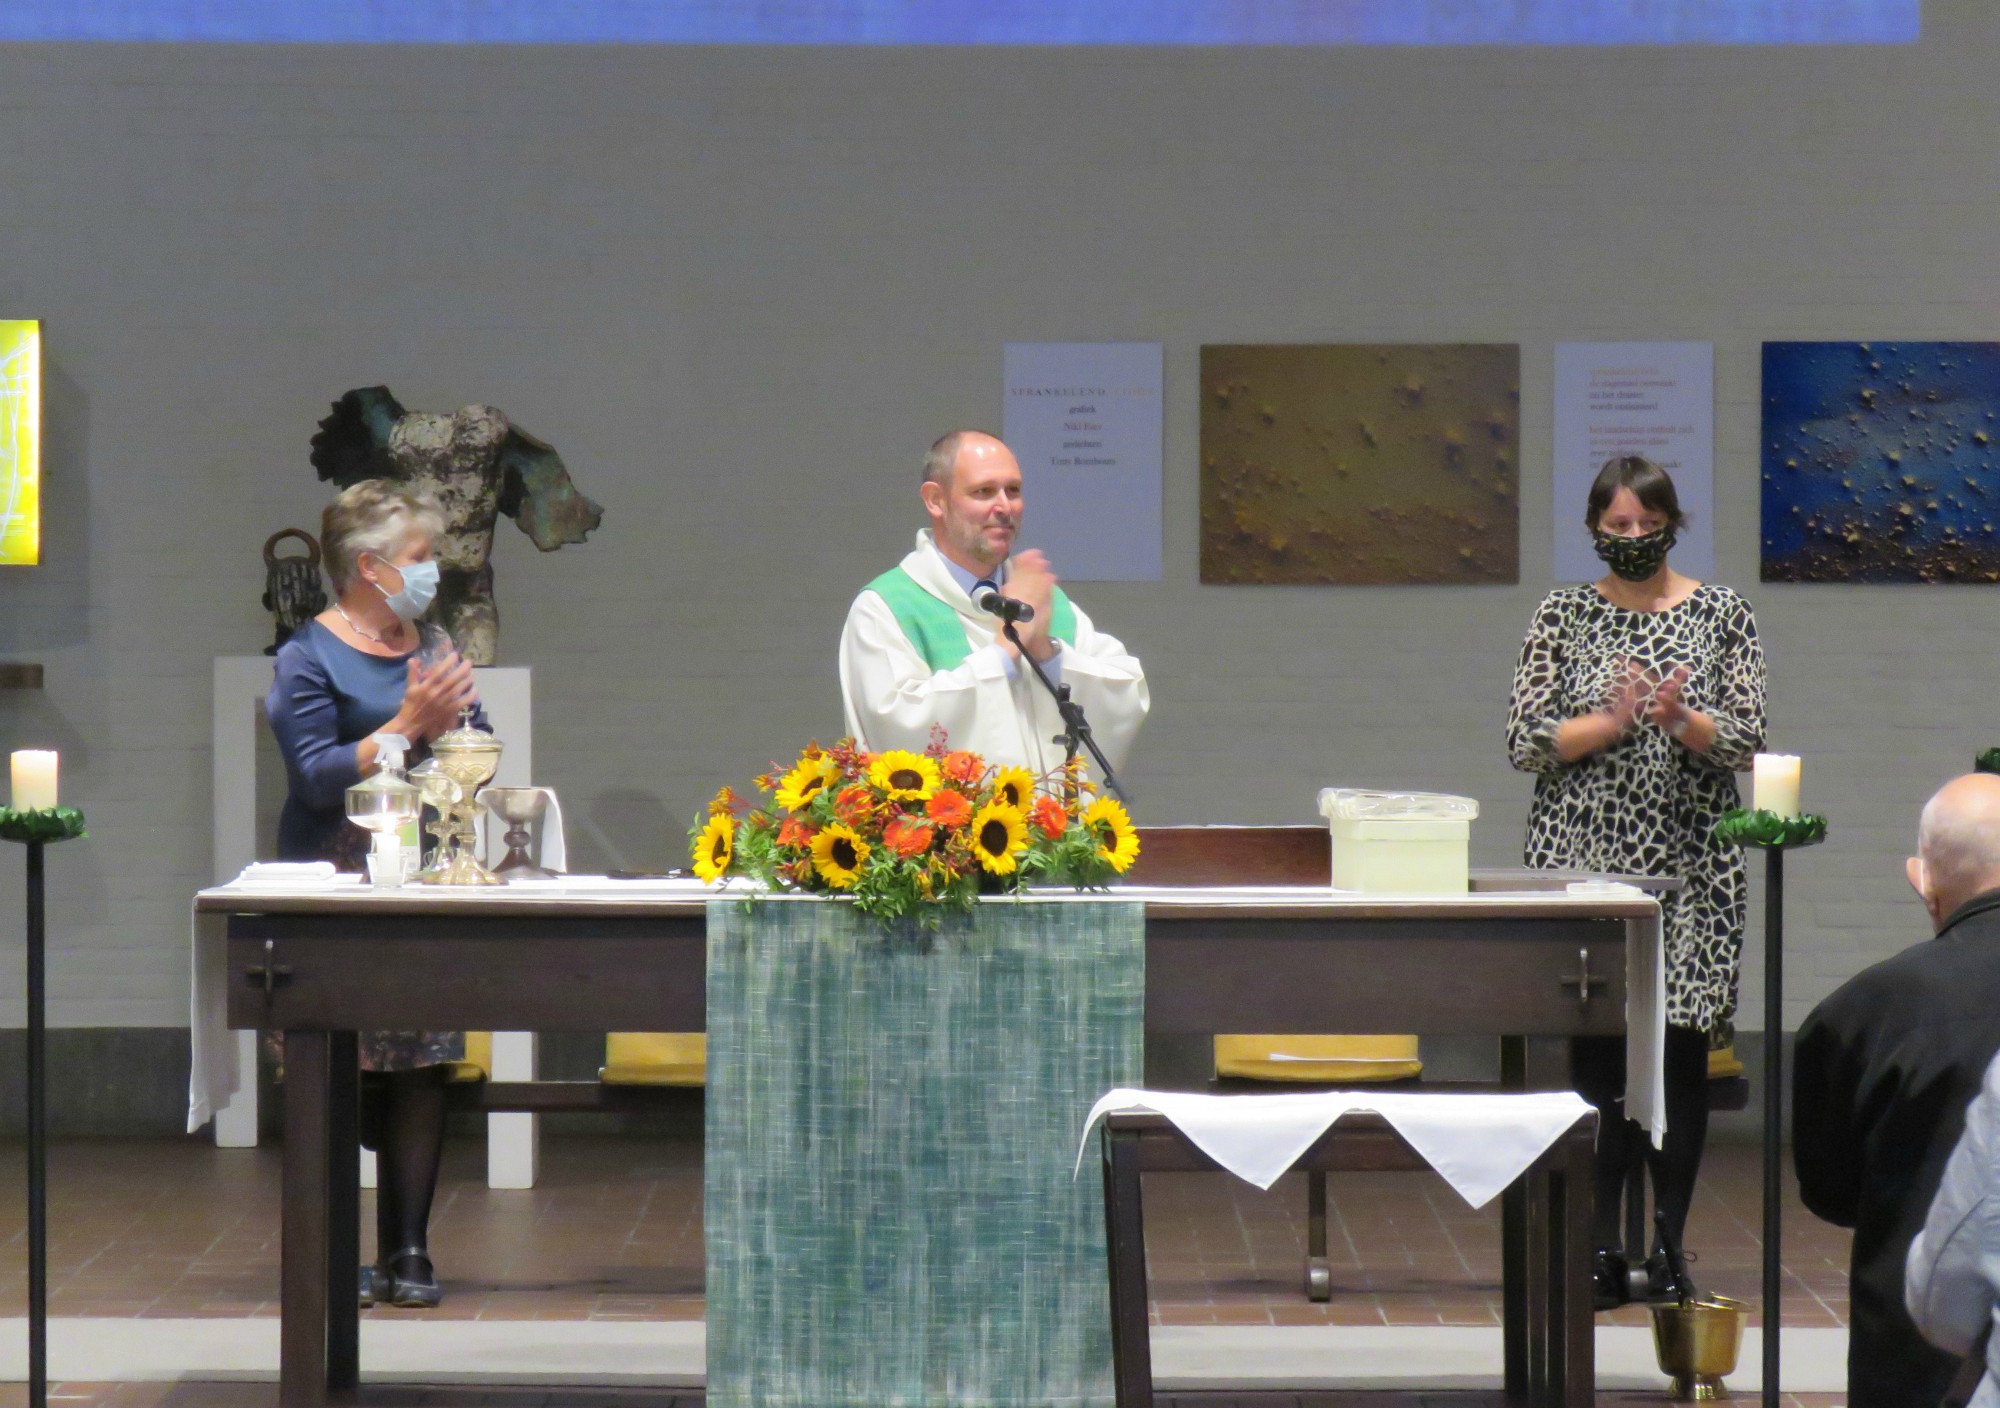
column 1030, row 580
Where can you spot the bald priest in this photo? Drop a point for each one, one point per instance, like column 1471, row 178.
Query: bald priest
column 918, row 651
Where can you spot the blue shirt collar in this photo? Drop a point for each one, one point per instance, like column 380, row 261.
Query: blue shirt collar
column 967, row 580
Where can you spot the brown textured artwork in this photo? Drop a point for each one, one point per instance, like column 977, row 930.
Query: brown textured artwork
column 1391, row 464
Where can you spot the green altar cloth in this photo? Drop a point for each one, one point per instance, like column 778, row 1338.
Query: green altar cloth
column 893, row 1118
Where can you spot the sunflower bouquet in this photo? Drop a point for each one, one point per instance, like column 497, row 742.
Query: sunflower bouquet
column 913, row 835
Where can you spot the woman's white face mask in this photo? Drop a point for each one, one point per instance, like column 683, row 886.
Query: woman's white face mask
column 419, row 589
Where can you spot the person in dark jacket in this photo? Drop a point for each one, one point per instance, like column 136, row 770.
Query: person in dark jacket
column 1885, row 1069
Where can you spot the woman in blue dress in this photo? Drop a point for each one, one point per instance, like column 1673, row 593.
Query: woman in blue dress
column 362, row 670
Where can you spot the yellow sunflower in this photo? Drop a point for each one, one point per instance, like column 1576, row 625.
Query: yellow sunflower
column 1014, row 787
column 1117, row 842
column 715, row 848
column 837, row 856
column 998, row 835
column 906, row 777
column 806, row 781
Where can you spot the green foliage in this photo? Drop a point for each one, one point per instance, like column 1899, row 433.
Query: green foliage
column 46, row 824
column 1768, row 830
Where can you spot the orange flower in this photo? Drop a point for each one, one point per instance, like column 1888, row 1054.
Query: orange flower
column 1049, row 818
column 907, row 837
column 949, row 808
column 963, row 767
column 853, row 804
column 725, row 802
column 795, row 833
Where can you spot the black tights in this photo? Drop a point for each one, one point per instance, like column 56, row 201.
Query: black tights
column 402, row 1120
column 1598, row 1063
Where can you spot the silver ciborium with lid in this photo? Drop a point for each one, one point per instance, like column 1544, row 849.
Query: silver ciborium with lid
column 469, row 757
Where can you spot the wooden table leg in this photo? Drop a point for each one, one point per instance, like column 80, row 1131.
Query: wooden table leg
column 304, row 1254
column 1575, row 1319
column 1319, row 1271
column 1125, row 1255
column 343, row 1205
column 1550, row 1349
column 1514, row 1321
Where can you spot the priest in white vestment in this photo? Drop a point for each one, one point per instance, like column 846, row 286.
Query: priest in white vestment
column 916, row 651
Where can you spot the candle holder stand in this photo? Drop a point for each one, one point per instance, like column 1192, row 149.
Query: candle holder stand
column 36, row 830
column 1773, row 835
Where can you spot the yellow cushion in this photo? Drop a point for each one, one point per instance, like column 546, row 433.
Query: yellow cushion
column 478, row 1062
column 655, row 1058
column 1328, row 1059
column 1723, row 1065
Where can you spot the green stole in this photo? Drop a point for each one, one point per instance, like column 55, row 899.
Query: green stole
column 937, row 630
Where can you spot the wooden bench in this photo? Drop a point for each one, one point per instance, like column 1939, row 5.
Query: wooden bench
column 1549, row 1352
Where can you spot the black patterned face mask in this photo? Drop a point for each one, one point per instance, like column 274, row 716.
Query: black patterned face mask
column 1635, row 559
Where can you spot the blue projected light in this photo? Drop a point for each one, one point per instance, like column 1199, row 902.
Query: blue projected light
column 1024, row 22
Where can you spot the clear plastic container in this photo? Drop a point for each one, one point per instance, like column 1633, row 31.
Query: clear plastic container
column 1399, row 843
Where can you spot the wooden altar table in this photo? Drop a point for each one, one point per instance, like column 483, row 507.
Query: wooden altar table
column 1519, row 959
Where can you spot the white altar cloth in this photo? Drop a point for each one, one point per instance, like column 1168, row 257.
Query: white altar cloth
column 1479, row 1143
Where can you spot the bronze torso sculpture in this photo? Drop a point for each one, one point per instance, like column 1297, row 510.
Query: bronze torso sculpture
column 479, row 466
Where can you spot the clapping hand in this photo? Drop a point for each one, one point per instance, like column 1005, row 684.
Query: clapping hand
column 433, row 697
column 1630, row 697
column 1030, row 580
column 1666, row 709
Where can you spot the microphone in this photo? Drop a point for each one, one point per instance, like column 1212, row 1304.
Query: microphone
column 989, row 600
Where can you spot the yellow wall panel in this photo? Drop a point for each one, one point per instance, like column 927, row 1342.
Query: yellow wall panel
column 20, row 442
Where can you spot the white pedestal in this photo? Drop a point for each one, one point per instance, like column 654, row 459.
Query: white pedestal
column 241, row 682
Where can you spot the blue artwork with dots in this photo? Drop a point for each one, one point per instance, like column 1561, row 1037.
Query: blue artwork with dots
column 1881, row 462
column 1018, row 22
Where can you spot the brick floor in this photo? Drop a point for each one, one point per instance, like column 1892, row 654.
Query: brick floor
column 178, row 1228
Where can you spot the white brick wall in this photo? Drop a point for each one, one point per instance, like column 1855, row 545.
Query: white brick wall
column 742, row 289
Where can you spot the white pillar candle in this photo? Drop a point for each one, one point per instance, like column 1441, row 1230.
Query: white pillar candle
column 1775, row 783
column 34, row 780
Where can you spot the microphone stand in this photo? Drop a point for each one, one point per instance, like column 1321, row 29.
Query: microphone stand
column 1076, row 728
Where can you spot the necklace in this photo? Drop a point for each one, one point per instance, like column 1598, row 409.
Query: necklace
column 358, row 628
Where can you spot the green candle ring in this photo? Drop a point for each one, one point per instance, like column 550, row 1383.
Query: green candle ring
column 43, row 824
column 1769, row 831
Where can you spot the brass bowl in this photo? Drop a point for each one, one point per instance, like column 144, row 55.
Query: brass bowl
column 1697, row 1343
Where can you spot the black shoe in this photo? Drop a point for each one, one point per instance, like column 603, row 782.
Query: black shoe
column 1610, row 1284
column 412, row 1283
column 1660, row 1281
column 374, row 1286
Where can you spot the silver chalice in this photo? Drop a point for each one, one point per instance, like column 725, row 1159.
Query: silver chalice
column 518, row 807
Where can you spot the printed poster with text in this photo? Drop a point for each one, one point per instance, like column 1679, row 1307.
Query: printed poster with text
column 1083, row 418
column 1655, row 399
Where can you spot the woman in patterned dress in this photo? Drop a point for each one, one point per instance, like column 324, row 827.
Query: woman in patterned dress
column 1637, row 699
column 351, row 675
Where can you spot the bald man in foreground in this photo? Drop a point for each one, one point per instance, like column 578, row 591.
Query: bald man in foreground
column 1886, row 1067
